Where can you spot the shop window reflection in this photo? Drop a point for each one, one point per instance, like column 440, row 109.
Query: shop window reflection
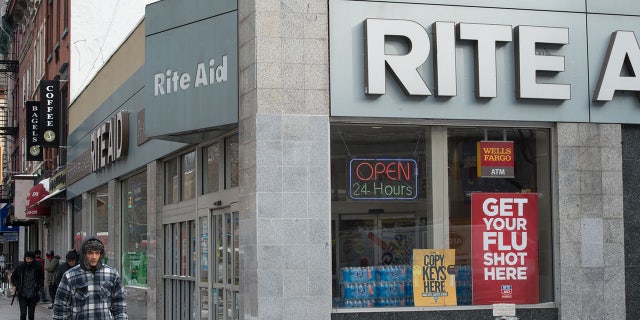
column 375, row 232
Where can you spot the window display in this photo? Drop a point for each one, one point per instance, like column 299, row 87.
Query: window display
column 135, row 240
column 400, row 192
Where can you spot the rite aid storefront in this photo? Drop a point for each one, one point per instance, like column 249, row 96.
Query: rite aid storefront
column 154, row 168
column 438, row 161
column 491, row 138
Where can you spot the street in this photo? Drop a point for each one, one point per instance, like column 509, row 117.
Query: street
column 12, row 312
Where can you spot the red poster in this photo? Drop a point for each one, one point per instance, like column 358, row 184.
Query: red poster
column 504, row 248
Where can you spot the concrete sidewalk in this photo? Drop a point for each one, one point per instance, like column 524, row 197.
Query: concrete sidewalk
column 12, row 312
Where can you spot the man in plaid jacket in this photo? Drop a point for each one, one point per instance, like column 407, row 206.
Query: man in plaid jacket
column 90, row 290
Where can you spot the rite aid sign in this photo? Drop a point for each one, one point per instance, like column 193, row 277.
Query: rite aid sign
column 456, row 62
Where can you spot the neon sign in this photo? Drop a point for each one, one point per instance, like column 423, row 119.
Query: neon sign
column 383, row 179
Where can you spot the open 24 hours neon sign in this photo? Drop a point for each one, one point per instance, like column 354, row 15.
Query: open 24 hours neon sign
column 383, row 179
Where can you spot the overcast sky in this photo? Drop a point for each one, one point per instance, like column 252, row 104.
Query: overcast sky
column 98, row 28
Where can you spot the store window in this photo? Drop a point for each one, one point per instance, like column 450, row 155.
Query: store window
column 232, row 161
column 78, row 232
column 407, row 201
column 180, row 178
column 135, row 240
column 211, row 167
column 101, row 217
column 188, row 165
column 172, row 181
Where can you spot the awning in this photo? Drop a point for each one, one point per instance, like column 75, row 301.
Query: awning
column 37, row 193
column 51, row 195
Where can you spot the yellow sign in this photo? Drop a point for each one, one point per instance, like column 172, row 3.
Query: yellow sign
column 434, row 280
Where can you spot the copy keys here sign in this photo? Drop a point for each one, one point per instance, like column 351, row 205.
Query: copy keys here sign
column 505, row 247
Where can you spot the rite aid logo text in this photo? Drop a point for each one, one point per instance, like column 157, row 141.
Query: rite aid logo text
column 623, row 57
column 171, row 81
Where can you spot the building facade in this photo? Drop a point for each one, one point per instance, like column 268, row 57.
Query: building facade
column 35, row 58
column 366, row 160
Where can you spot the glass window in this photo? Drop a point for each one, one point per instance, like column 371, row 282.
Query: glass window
column 172, row 184
column 211, row 168
column 135, row 240
column 409, row 200
column 184, row 249
column 204, row 249
column 78, row 233
column 188, row 165
column 101, row 217
column 192, row 248
column 232, row 164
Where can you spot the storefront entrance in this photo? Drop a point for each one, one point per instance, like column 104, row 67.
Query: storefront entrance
column 219, row 278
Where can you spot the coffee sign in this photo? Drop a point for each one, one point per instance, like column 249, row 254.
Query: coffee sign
column 50, row 111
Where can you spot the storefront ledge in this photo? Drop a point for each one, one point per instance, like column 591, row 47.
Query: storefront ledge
column 547, row 311
column 132, row 287
column 136, row 293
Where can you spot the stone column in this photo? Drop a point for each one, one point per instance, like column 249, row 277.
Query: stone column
column 591, row 227
column 285, row 214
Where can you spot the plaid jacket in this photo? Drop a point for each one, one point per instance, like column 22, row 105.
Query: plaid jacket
column 85, row 295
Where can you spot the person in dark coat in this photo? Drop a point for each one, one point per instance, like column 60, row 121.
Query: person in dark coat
column 28, row 278
column 71, row 260
column 40, row 260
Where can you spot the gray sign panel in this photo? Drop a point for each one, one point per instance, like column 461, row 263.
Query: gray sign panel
column 191, row 76
column 488, row 90
column 623, row 7
column 164, row 15
column 552, row 5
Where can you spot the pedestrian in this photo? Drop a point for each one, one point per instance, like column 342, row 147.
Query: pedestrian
column 28, row 278
column 71, row 260
column 53, row 261
column 92, row 289
column 43, row 294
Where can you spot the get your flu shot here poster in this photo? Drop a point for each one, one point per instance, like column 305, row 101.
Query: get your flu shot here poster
column 505, row 248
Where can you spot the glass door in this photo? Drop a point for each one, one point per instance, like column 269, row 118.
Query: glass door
column 219, row 283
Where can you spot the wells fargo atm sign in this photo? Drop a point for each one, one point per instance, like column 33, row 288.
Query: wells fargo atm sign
column 383, row 179
column 495, row 159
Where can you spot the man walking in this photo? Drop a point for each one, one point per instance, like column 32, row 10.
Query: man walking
column 38, row 258
column 28, row 278
column 71, row 258
column 53, row 261
column 90, row 290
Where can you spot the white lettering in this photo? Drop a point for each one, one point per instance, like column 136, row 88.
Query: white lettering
column 221, row 70
column 110, row 142
column 171, row 81
column 201, row 76
column 404, row 67
column 444, row 35
column 528, row 63
column 486, row 36
column 158, row 84
column 623, row 44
